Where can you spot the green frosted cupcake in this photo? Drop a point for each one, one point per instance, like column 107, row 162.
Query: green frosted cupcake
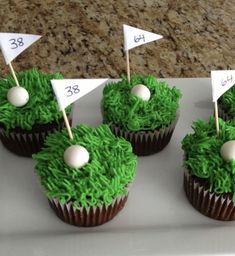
column 23, row 129
column 93, row 194
column 209, row 179
column 147, row 123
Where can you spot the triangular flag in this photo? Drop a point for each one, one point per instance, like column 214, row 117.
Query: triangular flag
column 134, row 37
column 69, row 90
column 12, row 44
column 221, row 81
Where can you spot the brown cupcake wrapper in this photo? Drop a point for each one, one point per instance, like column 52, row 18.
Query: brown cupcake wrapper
column 147, row 142
column 90, row 216
column 27, row 143
column 210, row 204
column 222, row 114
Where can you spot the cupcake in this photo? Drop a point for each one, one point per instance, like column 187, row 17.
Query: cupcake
column 23, row 128
column 209, row 177
column 144, row 112
column 95, row 191
column 226, row 107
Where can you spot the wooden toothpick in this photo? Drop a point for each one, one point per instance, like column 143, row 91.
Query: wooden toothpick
column 128, row 66
column 67, row 124
column 216, row 118
column 14, row 75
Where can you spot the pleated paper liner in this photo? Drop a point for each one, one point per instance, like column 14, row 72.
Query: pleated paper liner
column 25, row 143
column 215, row 206
column 90, row 216
column 147, row 142
column 222, row 114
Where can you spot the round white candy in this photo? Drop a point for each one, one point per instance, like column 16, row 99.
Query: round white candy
column 141, row 91
column 18, row 96
column 227, row 150
column 76, row 156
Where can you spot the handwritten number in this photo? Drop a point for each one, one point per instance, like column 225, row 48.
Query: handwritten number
column 13, row 43
column 16, row 43
column 225, row 81
column 140, row 37
column 20, row 41
column 72, row 90
column 69, row 91
column 76, row 89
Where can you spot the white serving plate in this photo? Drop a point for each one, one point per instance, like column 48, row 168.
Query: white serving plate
column 157, row 219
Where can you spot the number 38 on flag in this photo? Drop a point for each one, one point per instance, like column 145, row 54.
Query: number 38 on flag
column 12, row 44
column 69, row 90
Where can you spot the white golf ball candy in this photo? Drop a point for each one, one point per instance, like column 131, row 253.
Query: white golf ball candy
column 18, row 96
column 227, row 150
column 141, row 91
column 76, row 156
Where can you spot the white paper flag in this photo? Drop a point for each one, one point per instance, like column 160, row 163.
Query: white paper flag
column 69, row 90
column 12, row 44
column 134, row 37
column 221, row 81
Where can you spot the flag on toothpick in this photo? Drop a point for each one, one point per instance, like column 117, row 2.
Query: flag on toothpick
column 12, row 44
column 69, row 90
column 221, row 81
column 134, row 37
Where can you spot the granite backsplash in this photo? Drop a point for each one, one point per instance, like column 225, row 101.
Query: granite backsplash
column 84, row 38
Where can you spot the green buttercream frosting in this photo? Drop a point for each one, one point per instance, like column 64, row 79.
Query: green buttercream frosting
column 227, row 101
column 203, row 159
column 122, row 108
column 42, row 106
column 112, row 166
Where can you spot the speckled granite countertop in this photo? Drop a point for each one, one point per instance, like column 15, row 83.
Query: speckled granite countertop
column 83, row 38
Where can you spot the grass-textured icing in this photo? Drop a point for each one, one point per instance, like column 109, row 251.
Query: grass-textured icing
column 112, row 166
column 42, row 106
column 203, row 158
column 122, row 108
